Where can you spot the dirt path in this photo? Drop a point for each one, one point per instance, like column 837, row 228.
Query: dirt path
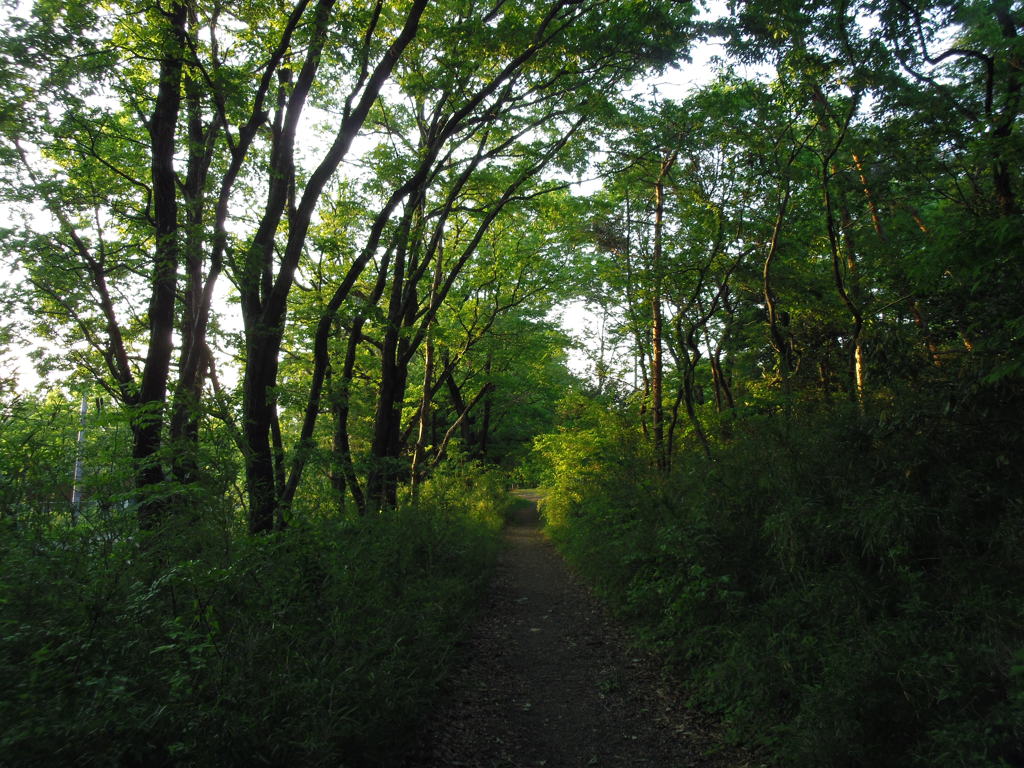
column 549, row 681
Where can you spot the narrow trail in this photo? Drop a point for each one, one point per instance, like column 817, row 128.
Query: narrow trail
column 549, row 681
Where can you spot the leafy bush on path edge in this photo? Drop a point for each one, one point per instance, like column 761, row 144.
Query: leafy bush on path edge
column 311, row 647
column 845, row 592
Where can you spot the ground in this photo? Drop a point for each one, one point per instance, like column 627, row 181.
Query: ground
column 549, row 680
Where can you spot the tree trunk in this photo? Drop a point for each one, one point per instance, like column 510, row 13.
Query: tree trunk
column 423, row 417
column 1002, row 169
column 382, row 483
column 428, row 380
column 856, row 356
column 876, row 223
column 149, row 420
column 185, row 407
column 463, row 414
column 459, row 405
column 264, row 296
column 336, row 473
column 343, row 448
column 257, row 418
column 485, row 420
column 778, row 340
column 657, row 365
column 723, row 393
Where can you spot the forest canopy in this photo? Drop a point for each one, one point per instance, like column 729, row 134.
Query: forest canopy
column 290, row 274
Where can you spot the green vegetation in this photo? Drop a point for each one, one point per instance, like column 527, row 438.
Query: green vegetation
column 287, row 275
column 284, row 272
column 798, row 470
column 845, row 591
column 311, row 647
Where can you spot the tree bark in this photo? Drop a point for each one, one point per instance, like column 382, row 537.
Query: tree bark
column 264, row 297
column 485, row 419
column 876, row 223
column 778, row 340
column 463, row 415
column 1002, row 170
column 661, row 458
column 192, row 365
column 149, row 419
column 856, row 356
column 428, row 378
column 343, row 448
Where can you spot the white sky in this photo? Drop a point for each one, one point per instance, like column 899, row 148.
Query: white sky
column 575, row 318
column 579, row 321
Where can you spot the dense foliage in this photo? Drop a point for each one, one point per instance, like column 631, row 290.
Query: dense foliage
column 288, row 273
column 845, row 591
column 799, row 470
column 314, row 647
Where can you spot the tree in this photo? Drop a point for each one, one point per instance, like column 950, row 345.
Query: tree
column 519, row 111
column 205, row 61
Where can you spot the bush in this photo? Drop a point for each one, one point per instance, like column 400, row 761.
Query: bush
column 847, row 592
column 310, row 647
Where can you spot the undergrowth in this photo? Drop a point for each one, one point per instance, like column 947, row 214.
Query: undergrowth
column 310, row 647
column 846, row 590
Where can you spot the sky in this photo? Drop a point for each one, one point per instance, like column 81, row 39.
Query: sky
column 577, row 320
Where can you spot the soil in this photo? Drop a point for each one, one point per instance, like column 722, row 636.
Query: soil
column 549, row 680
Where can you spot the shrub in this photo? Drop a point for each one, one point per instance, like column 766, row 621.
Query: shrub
column 310, row 647
column 846, row 591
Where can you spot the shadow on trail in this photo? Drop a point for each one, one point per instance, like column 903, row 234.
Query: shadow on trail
column 548, row 680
